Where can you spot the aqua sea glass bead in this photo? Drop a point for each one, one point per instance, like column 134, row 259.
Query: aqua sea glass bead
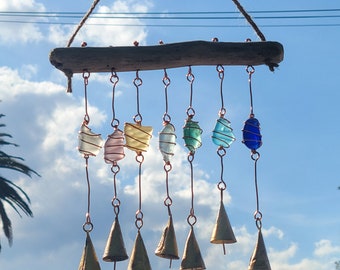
column 167, row 141
column 251, row 134
column 192, row 135
column 223, row 133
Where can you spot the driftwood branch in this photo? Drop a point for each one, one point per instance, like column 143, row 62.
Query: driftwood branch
column 131, row 58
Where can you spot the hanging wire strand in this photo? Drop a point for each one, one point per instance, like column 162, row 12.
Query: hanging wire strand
column 257, row 214
column 220, row 71
column 166, row 82
column 250, row 70
column 86, row 76
column 167, row 200
column 137, row 83
column 191, row 217
column 221, row 152
column 88, row 226
column 190, row 78
column 115, row 201
column 139, row 213
column 114, row 79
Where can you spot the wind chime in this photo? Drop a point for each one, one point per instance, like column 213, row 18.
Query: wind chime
column 113, row 152
column 223, row 137
column 136, row 137
column 252, row 138
column 192, row 258
column 167, row 247
column 89, row 144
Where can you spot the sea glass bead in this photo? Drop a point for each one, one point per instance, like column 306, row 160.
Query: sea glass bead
column 114, row 147
column 223, row 133
column 89, row 143
column 137, row 137
column 192, row 135
column 167, row 141
column 251, row 134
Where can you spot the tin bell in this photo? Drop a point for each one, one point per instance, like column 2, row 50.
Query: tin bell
column 259, row 259
column 167, row 247
column 89, row 260
column 223, row 232
column 139, row 258
column 115, row 249
column 192, row 258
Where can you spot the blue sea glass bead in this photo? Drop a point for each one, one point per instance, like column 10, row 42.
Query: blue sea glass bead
column 251, row 134
column 192, row 135
column 223, row 133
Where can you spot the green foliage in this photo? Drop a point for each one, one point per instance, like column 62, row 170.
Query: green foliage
column 10, row 193
column 337, row 265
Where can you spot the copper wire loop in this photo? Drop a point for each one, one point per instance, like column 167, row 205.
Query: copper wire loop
column 221, row 151
column 115, row 169
column 222, row 185
column 88, row 226
column 168, row 201
column 140, row 158
column 255, row 155
column 191, row 219
column 167, row 167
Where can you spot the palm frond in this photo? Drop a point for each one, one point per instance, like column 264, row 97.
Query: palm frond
column 9, row 194
column 10, row 162
column 6, row 224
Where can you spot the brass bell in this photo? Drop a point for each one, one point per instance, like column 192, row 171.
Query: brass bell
column 139, row 258
column 259, row 259
column 192, row 258
column 223, row 232
column 89, row 260
column 167, row 247
column 115, row 248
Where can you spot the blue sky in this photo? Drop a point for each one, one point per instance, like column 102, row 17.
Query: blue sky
column 297, row 107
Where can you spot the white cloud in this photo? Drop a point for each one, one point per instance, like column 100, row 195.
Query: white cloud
column 273, row 231
column 28, row 71
column 13, row 85
column 325, row 247
column 104, row 34
column 11, row 33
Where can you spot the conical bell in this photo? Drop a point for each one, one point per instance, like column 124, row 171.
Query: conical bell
column 259, row 259
column 192, row 258
column 89, row 260
column 139, row 257
column 115, row 249
column 167, row 247
column 222, row 233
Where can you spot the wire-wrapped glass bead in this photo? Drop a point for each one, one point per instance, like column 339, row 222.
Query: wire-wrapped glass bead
column 114, row 147
column 251, row 134
column 192, row 135
column 223, row 133
column 89, row 143
column 137, row 137
column 167, row 141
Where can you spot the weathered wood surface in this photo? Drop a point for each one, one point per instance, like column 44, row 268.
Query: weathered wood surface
column 193, row 53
